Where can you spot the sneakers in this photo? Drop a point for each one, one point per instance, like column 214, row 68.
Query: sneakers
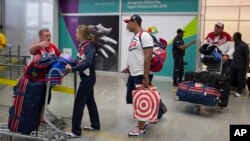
column 70, row 134
column 237, row 94
column 137, row 132
column 146, row 125
column 90, row 128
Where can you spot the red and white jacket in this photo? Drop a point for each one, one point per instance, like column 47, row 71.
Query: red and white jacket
column 224, row 42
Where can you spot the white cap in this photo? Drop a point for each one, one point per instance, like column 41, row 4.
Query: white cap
column 220, row 24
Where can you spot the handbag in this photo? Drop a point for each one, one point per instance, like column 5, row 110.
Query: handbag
column 146, row 103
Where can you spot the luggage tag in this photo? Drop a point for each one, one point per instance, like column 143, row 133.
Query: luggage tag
column 198, row 85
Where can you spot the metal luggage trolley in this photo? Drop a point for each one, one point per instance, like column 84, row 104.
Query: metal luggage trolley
column 52, row 131
column 213, row 67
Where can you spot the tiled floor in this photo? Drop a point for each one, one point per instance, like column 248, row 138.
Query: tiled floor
column 179, row 124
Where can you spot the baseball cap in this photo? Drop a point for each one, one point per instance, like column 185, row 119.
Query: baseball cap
column 134, row 17
column 220, row 24
column 180, row 31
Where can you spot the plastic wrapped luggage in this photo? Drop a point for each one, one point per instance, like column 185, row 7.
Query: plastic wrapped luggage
column 24, row 114
column 197, row 93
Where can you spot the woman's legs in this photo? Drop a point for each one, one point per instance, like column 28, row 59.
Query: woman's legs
column 82, row 95
column 93, row 112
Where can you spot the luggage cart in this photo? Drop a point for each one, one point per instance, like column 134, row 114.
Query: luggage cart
column 52, row 131
column 212, row 67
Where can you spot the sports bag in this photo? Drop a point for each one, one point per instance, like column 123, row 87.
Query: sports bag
column 210, row 54
column 159, row 53
column 39, row 66
column 27, row 101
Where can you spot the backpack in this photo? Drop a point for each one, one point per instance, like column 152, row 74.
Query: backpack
column 39, row 66
column 60, row 64
column 159, row 53
column 210, row 54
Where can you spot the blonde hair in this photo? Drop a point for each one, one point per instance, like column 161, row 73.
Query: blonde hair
column 84, row 32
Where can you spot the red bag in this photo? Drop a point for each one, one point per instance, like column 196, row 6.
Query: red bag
column 146, row 104
column 39, row 66
column 158, row 59
column 159, row 53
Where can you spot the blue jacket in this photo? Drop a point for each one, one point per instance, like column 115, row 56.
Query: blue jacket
column 85, row 58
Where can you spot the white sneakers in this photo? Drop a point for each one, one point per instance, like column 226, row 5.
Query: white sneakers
column 237, row 94
column 137, row 132
column 71, row 135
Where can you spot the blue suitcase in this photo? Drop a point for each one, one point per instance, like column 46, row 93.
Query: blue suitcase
column 189, row 92
column 24, row 114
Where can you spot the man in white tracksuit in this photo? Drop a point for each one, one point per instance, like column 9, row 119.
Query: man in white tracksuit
column 224, row 42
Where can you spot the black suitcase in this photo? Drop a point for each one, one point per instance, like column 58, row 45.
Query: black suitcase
column 223, row 85
column 24, row 114
column 162, row 110
column 189, row 76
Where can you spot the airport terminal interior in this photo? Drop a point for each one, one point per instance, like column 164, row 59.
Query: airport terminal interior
column 21, row 20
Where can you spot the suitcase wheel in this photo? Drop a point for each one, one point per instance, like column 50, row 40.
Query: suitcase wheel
column 176, row 98
column 5, row 138
column 33, row 134
column 57, row 136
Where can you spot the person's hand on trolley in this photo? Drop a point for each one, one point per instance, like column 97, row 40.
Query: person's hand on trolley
column 68, row 68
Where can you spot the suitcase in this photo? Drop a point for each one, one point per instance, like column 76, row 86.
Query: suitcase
column 189, row 76
column 187, row 91
column 162, row 110
column 206, row 78
column 24, row 114
column 221, row 82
